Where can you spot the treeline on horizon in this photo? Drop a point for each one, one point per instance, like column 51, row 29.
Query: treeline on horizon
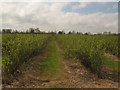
column 37, row 31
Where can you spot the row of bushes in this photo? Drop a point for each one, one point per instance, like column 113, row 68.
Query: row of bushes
column 18, row 48
column 89, row 49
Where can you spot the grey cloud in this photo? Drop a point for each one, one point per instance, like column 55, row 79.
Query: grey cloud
column 49, row 16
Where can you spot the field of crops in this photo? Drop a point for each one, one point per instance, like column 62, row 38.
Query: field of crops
column 90, row 49
column 17, row 49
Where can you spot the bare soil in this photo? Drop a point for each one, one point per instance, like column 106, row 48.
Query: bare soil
column 73, row 75
column 110, row 74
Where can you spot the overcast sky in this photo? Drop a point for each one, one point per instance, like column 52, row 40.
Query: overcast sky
column 91, row 17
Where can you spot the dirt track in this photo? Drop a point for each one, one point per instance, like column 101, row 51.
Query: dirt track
column 74, row 75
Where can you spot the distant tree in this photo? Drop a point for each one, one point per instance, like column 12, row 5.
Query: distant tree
column 0, row 30
column 27, row 31
column 21, row 32
column 115, row 34
column 6, row 30
column 77, row 32
column 89, row 33
column 105, row 33
column 69, row 33
column 61, row 32
column 109, row 33
column 36, row 30
column 80, row 33
column 73, row 32
column 3, row 31
column 86, row 33
column 99, row 33
column 15, row 32
column 31, row 30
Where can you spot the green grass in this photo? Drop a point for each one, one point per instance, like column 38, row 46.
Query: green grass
column 111, row 63
column 51, row 63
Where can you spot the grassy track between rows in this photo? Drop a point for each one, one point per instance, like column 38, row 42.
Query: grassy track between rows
column 111, row 63
column 51, row 64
